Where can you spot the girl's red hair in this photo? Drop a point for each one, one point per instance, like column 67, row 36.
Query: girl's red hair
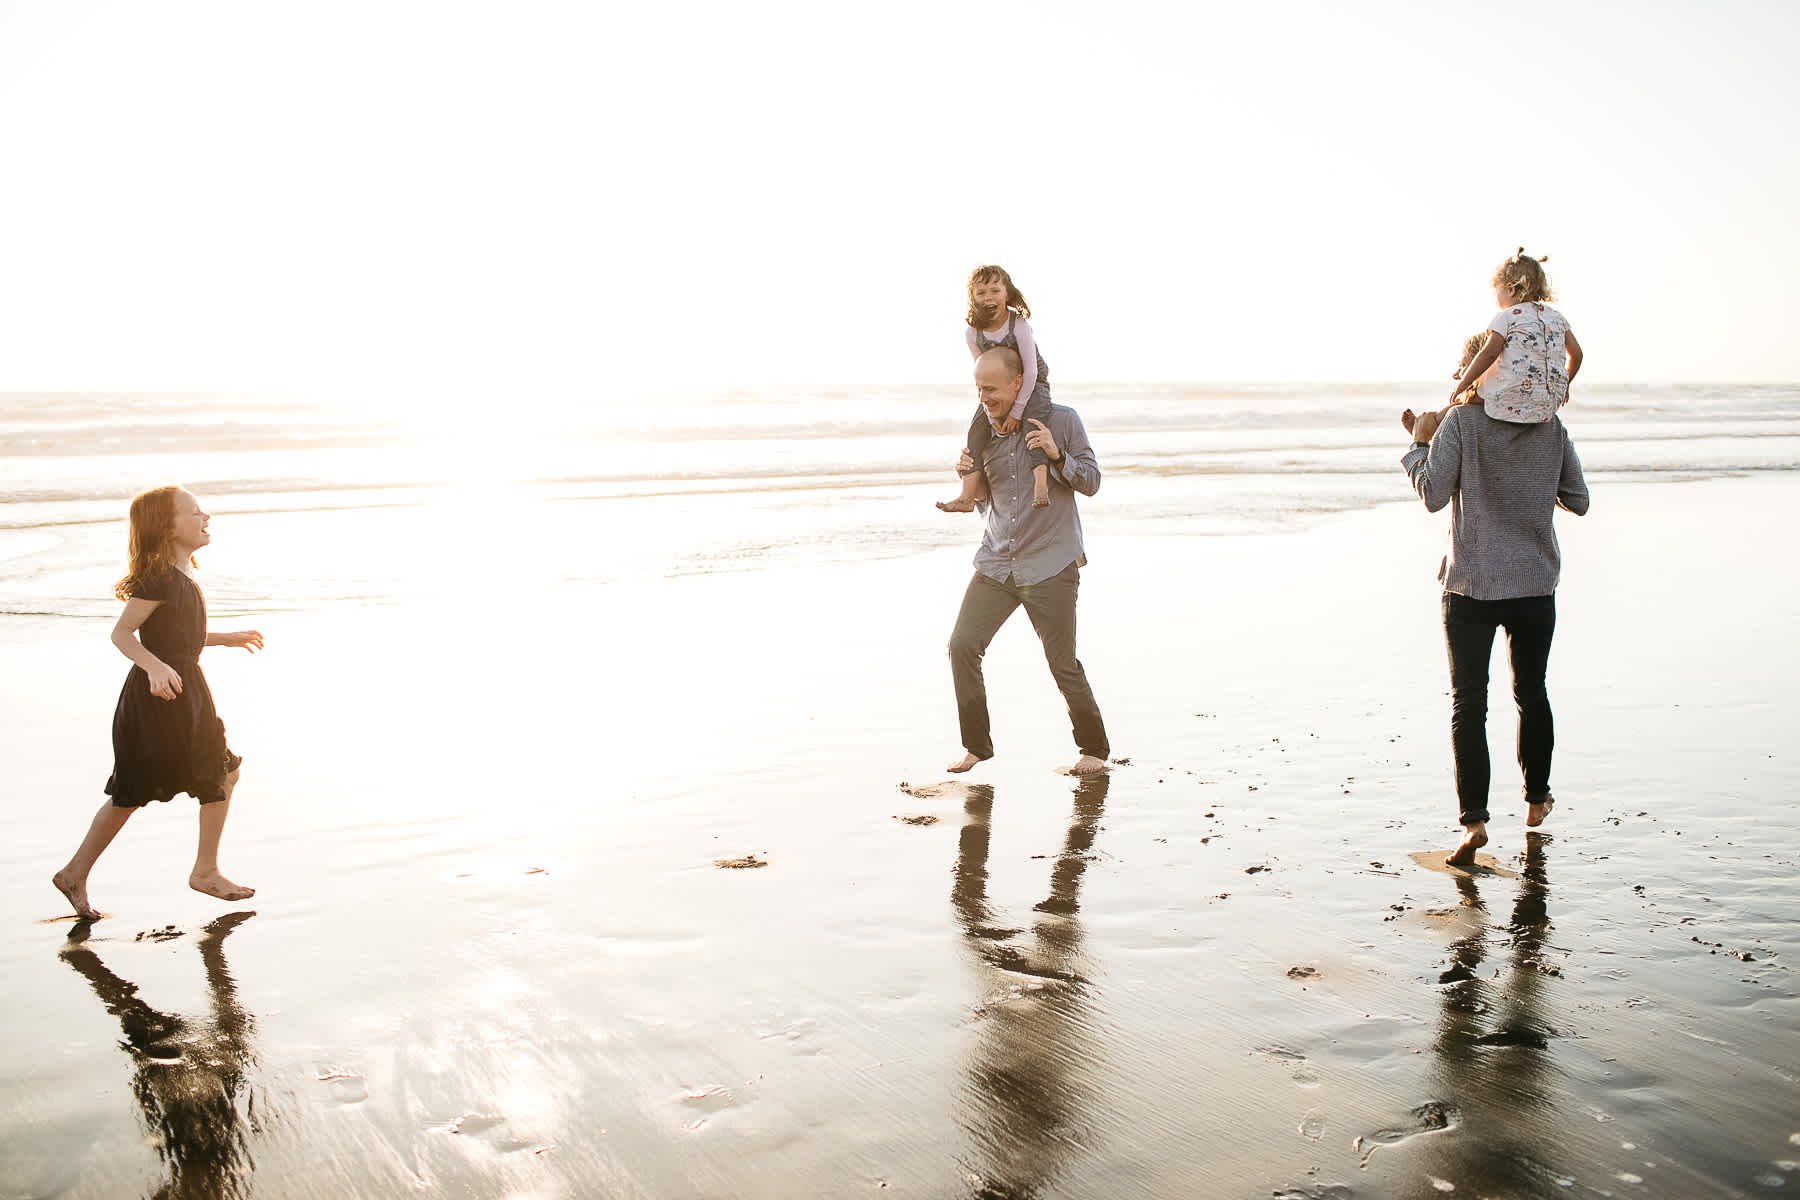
column 152, row 524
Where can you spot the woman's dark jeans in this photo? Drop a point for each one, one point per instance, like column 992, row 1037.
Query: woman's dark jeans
column 1469, row 635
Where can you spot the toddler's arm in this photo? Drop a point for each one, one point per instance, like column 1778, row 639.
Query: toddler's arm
column 1483, row 359
column 1573, row 349
column 1027, row 356
column 165, row 684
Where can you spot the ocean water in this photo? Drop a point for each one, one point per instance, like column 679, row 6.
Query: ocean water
column 332, row 500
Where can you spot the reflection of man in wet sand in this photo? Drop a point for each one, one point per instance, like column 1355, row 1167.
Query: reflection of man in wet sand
column 1030, row 557
column 1030, row 1100
column 1495, row 1041
column 190, row 1077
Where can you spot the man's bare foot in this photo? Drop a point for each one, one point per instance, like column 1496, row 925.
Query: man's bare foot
column 216, row 885
column 962, row 764
column 1535, row 812
column 956, row 505
column 1474, row 838
column 1087, row 764
column 75, row 892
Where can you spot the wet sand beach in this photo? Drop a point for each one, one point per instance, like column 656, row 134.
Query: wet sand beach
column 492, row 952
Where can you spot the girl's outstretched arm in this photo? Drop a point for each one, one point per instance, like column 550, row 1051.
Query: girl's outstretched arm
column 249, row 639
column 165, row 684
column 1484, row 358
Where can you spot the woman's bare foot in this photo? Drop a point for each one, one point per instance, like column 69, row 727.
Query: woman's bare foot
column 962, row 764
column 956, row 505
column 1474, row 838
column 1087, row 764
column 1535, row 812
column 75, row 892
column 216, row 885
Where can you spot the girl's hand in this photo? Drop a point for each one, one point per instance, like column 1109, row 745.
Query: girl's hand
column 165, row 684
column 246, row 639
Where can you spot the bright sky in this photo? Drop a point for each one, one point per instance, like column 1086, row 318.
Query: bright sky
column 571, row 196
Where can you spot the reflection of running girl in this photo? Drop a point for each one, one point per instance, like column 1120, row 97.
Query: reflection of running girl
column 998, row 317
column 167, row 737
column 190, row 1075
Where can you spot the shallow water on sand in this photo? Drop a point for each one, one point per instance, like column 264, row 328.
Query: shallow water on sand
column 492, row 953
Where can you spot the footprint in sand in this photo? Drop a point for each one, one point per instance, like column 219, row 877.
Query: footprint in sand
column 343, row 1085
column 747, row 862
column 1433, row 1116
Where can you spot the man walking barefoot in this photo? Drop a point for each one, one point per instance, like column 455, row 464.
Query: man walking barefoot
column 1030, row 558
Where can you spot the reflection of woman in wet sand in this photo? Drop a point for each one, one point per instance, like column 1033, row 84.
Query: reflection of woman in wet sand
column 190, row 1076
column 1028, row 1088
column 1506, row 481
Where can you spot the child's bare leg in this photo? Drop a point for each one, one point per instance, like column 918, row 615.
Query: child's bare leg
column 1040, row 486
column 206, row 876
column 974, row 486
column 71, row 881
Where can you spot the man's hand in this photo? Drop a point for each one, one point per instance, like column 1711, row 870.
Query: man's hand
column 1042, row 439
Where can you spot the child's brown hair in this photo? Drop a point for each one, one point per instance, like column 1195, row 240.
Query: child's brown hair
column 149, row 552
column 1525, row 277
column 1015, row 299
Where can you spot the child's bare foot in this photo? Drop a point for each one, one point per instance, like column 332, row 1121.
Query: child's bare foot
column 1535, row 812
column 956, row 505
column 1087, row 764
column 75, row 892
column 962, row 764
column 1406, row 420
column 1040, row 496
column 216, row 885
column 1474, row 838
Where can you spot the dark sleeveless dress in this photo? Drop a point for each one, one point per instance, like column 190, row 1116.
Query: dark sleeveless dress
column 1037, row 404
column 164, row 747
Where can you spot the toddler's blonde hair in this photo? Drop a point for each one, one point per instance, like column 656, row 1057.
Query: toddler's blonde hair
column 1525, row 277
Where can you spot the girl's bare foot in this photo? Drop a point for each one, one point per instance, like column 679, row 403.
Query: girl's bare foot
column 1087, row 764
column 75, row 892
column 1040, row 496
column 1536, row 812
column 1474, row 838
column 212, row 883
column 956, row 505
column 962, row 764
column 1406, row 420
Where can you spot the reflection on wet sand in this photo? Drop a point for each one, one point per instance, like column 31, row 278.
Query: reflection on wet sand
column 190, row 1075
column 1029, row 1089
column 1495, row 1039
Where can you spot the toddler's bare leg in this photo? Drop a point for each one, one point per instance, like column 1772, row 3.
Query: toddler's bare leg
column 974, row 487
